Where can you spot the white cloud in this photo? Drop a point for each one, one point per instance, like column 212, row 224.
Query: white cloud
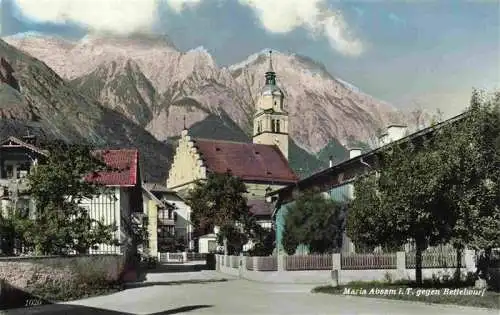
column 179, row 5
column 119, row 16
column 283, row 16
column 127, row 16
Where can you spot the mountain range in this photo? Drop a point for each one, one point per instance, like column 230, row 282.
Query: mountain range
column 140, row 90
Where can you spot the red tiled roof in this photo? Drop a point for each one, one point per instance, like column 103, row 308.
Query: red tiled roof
column 250, row 161
column 125, row 165
column 260, row 207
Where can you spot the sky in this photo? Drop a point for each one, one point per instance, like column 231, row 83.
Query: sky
column 428, row 54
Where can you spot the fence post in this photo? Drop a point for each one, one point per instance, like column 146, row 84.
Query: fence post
column 281, row 262
column 255, row 258
column 242, row 265
column 184, row 257
column 470, row 260
column 401, row 263
column 336, row 269
column 168, row 257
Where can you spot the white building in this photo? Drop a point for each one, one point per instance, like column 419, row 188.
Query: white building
column 120, row 200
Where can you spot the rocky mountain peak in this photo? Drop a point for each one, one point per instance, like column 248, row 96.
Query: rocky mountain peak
column 135, row 40
column 303, row 63
column 155, row 85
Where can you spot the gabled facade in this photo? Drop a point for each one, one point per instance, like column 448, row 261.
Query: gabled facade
column 261, row 164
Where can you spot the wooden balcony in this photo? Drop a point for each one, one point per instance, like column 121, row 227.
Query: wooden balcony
column 18, row 185
column 165, row 221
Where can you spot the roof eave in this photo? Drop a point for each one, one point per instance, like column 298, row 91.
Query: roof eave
column 414, row 135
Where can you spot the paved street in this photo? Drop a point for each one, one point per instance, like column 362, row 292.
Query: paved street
column 203, row 292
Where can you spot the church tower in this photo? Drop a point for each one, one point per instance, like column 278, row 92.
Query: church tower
column 270, row 123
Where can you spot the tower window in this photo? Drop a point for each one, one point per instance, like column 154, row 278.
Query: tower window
column 277, row 125
column 259, row 126
column 273, row 125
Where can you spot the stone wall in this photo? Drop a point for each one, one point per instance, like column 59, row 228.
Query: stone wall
column 26, row 272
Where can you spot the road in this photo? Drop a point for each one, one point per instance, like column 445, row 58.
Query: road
column 206, row 292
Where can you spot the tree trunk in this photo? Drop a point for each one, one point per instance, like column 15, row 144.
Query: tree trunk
column 418, row 265
column 459, row 250
column 418, row 261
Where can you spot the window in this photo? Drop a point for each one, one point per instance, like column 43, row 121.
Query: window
column 9, row 170
column 23, row 169
column 259, row 126
column 273, row 125
column 277, row 125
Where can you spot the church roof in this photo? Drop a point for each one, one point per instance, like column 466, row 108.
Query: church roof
column 249, row 161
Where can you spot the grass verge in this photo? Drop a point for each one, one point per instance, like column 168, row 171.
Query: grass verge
column 456, row 294
column 74, row 291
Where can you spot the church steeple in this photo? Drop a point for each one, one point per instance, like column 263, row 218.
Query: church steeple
column 270, row 74
column 271, row 119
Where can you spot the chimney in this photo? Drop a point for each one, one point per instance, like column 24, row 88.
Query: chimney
column 331, row 161
column 396, row 132
column 383, row 139
column 354, row 153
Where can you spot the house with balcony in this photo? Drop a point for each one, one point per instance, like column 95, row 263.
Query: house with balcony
column 337, row 181
column 173, row 229
column 119, row 203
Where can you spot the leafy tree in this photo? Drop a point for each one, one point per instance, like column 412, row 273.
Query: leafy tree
column 401, row 202
column 266, row 242
column 435, row 190
column 220, row 201
column 368, row 225
column 314, row 221
column 470, row 151
column 58, row 186
column 8, row 233
column 171, row 243
column 290, row 243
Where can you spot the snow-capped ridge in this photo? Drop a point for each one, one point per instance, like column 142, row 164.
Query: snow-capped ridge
column 201, row 49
